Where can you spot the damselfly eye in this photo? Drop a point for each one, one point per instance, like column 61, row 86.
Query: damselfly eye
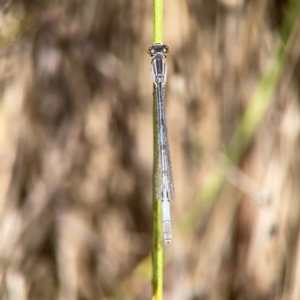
column 149, row 49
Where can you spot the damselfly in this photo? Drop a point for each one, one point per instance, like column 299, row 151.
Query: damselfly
column 163, row 168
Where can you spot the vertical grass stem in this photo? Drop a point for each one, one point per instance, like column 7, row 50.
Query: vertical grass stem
column 157, row 248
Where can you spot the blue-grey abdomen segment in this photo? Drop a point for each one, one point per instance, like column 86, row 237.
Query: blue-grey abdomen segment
column 164, row 176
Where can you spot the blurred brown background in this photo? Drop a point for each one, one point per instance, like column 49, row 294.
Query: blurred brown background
column 76, row 151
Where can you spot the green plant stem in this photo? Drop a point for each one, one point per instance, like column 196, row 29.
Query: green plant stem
column 157, row 21
column 157, row 248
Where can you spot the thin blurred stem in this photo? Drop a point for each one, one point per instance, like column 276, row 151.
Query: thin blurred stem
column 157, row 248
column 11, row 33
column 254, row 113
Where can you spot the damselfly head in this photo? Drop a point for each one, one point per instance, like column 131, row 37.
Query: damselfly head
column 158, row 48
